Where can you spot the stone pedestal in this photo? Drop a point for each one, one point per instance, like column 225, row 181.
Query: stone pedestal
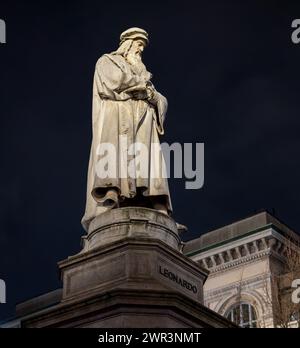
column 130, row 273
column 133, row 222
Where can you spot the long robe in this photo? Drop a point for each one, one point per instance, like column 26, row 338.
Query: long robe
column 115, row 114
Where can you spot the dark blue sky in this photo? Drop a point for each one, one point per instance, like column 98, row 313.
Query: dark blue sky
column 231, row 75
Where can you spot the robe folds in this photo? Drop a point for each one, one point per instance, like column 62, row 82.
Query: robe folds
column 118, row 117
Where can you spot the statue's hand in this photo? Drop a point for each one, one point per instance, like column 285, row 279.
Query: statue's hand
column 152, row 95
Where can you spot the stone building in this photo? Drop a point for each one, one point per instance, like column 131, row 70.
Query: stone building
column 252, row 264
column 249, row 267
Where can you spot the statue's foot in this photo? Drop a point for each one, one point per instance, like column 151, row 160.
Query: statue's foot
column 110, row 200
column 109, row 203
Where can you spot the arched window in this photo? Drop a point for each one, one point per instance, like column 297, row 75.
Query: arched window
column 243, row 314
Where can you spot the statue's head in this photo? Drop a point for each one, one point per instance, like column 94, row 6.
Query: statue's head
column 133, row 41
column 134, row 34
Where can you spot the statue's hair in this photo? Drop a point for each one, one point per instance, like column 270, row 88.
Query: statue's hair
column 124, row 48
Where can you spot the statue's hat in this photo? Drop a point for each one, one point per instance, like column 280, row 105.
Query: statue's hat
column 134, row 33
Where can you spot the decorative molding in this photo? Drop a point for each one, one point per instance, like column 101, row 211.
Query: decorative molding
column 254, row 282
column 248, row 250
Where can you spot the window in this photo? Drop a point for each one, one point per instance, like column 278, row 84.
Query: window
column 243, row 314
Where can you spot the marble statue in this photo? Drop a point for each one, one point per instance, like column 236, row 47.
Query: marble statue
column 127, row 106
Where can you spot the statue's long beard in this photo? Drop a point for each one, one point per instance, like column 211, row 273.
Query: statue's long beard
column 135, row 59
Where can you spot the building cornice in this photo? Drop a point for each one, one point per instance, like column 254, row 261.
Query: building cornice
column 257, row 244
column 230, row 240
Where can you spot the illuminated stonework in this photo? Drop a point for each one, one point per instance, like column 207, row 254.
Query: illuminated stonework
column 243, row 260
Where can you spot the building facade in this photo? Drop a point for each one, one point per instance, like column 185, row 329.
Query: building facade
column 252, row 264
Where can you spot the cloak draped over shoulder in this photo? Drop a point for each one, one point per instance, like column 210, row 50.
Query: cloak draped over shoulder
column 116, row 113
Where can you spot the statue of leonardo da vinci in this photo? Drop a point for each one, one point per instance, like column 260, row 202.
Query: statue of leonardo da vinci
column 128, row 118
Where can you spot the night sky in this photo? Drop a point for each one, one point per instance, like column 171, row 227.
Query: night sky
column 231, row 75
